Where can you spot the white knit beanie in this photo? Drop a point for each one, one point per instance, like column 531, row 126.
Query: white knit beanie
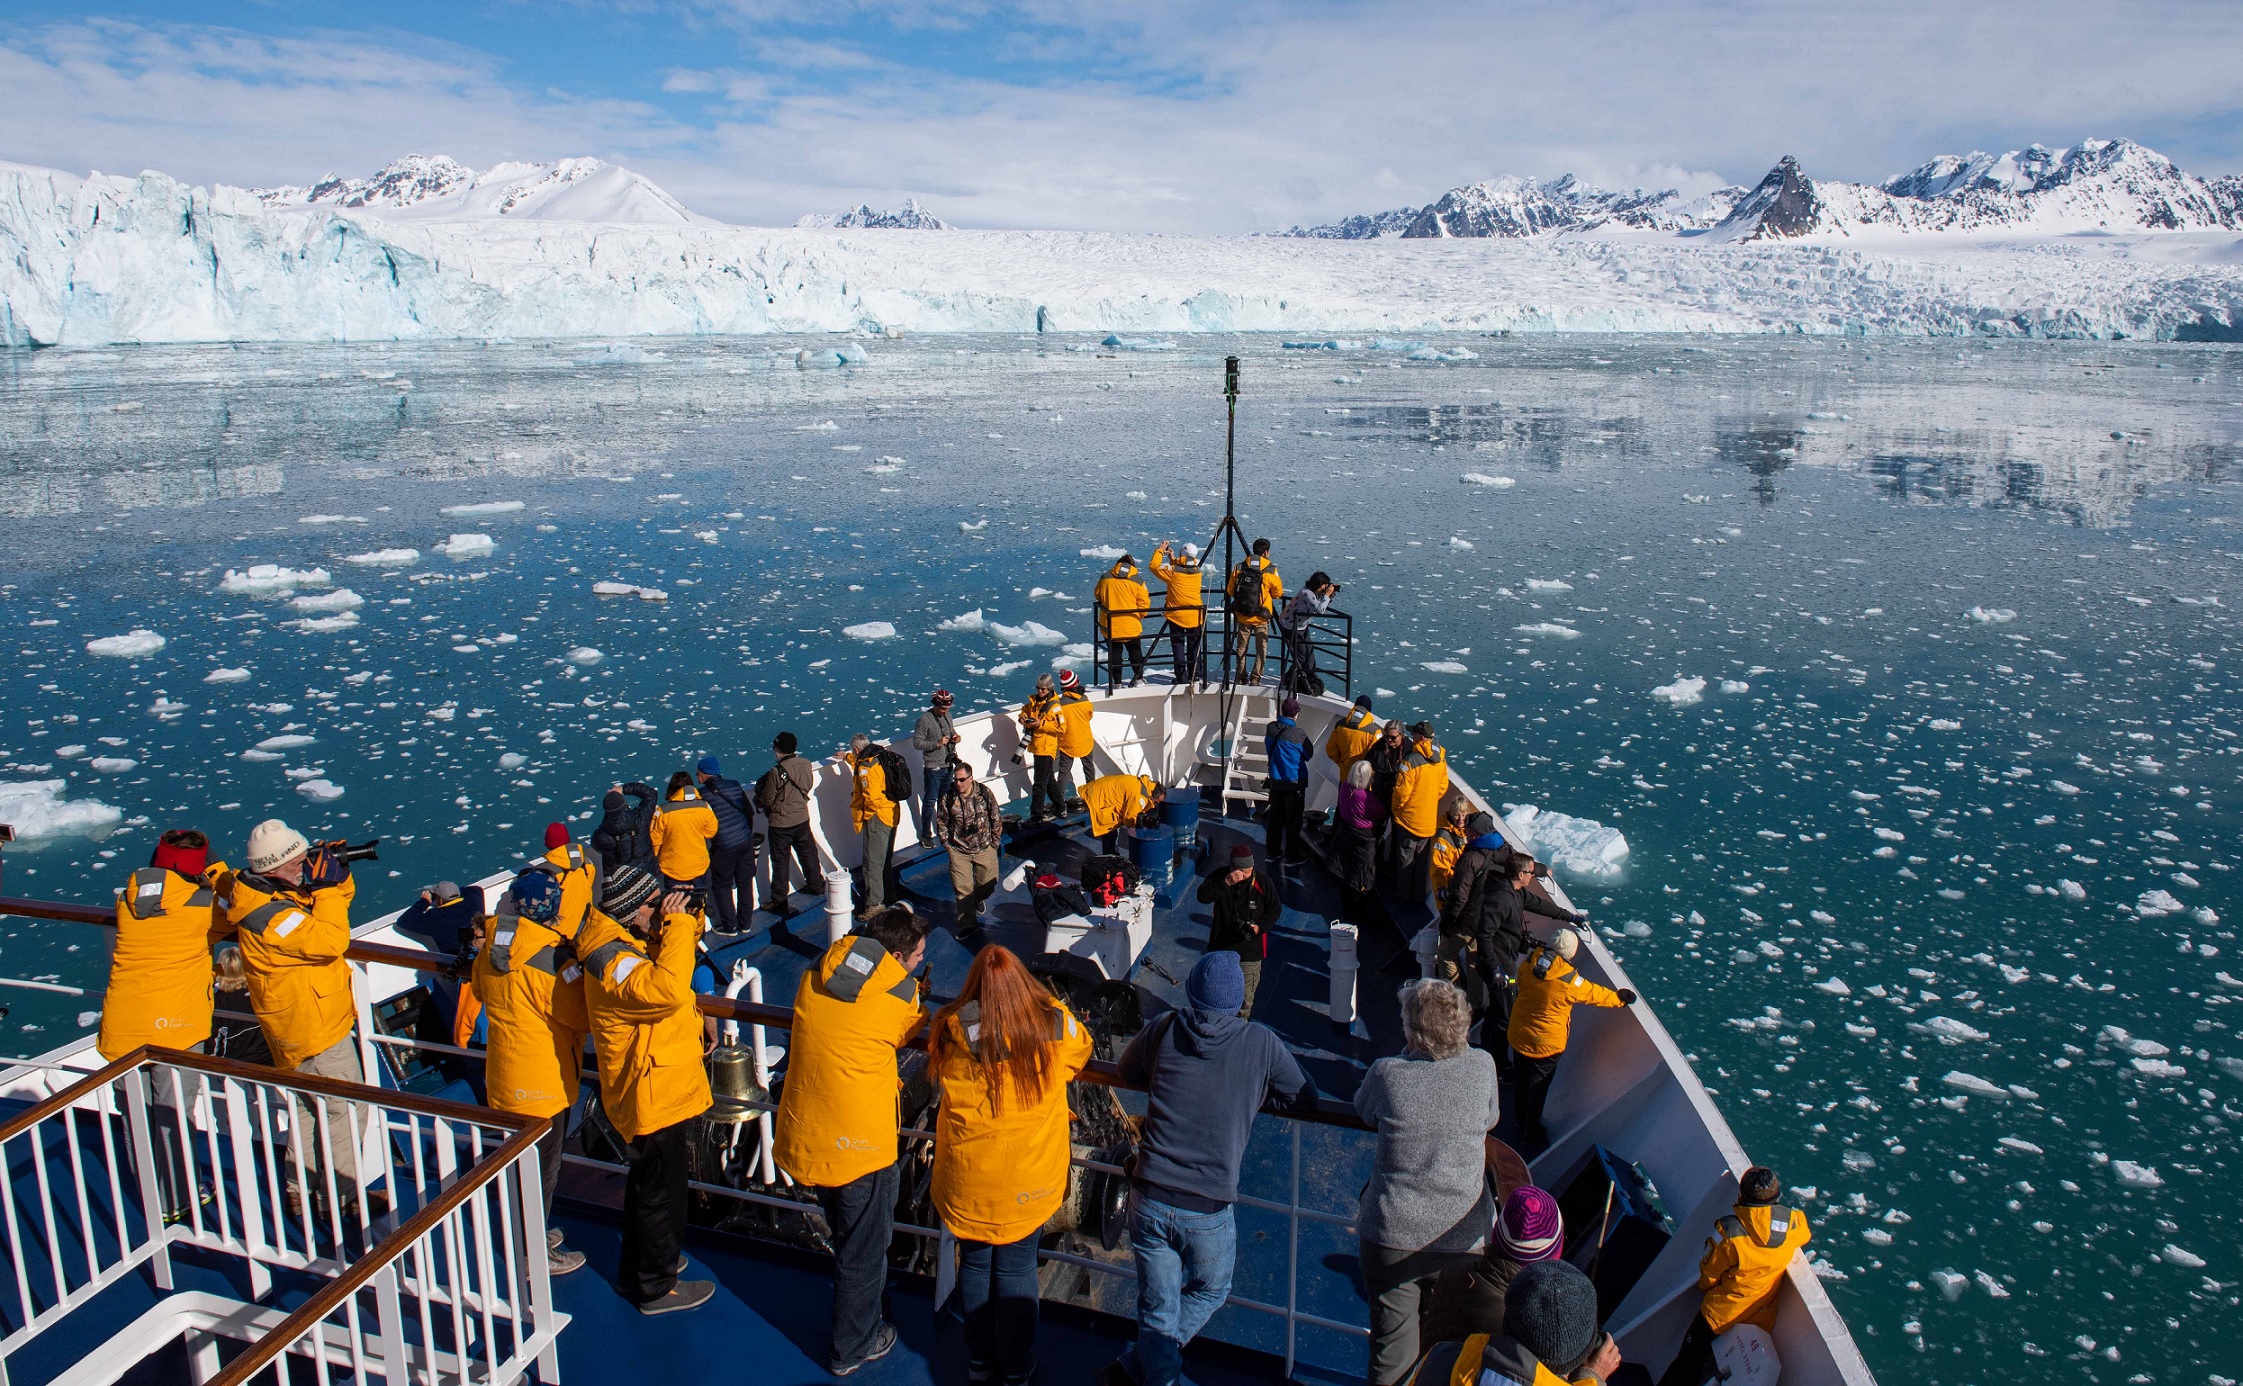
column 273, row 843
column 1567, row 943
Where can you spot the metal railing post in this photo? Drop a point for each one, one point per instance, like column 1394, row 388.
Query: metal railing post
column 1293, row 1256
column 138, row 1129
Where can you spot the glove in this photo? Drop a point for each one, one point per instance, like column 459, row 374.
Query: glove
column 1627, row 997
column 324, row 868
column 1580, row 916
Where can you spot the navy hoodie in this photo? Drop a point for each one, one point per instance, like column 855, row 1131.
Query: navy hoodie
column 1208, row 1075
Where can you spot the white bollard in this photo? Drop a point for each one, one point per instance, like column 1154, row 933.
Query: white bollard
column 840, row 918
column 1427, row 946
column 1344, row 965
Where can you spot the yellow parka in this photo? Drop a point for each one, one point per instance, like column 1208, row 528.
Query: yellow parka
column 1352, row 737
column 680, row 832
column 578, row 871
column 1185, row 606
column 160, row 975
column 1744, row 1263
column 868, row 793
column 838, row 1112
column 1549, row 989
column 1448, row 845
column 1116, row 799
column 292, row 946
column 1273, row 590
column 1122, row 602
column 532, row 988
column 644, row 1023
column 1001, row 1167
column 1074, row 726
column 1419, row 789
column 1040, row 722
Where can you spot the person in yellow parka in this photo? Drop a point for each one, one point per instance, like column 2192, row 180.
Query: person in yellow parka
column 291, row 909
column 1253, row 590
column 1542, row 1021
column 1114, row 800
column 1122, row 602
column 1448, row 845
column 578, row 870
column 1744, row 1264
column 874, row 813
column 1419, row 788
column 1004, row 1052
column 160, row 981
column 532, row 988
column 1185, row 608
column 1352, row 736
column 1074, row 740
column 638, row 998
column 1039, row 731
column 680, row 830
column 839, row 1113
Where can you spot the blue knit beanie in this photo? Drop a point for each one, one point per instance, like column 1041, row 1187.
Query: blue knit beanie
column 709, row 766
column 1216, row 984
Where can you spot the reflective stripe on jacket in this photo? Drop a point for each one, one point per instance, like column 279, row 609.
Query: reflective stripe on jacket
column 680, row 832
column 1549, row 989
column 292, row 946
column 1184, row 606
column 1122, row 603
column 1744, row 1264
column 838, row 1112
column 532, row 989
column 1419, row 787
column 160, row 975
column 644, row 1023
column 1074, row 726
column 1001, row 1168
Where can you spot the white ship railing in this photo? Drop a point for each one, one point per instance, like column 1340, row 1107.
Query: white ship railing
column 433, row 1253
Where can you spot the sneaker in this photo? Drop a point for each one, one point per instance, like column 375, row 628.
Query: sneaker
column 562, row 1261
column 553, row 1237
column 679, row 1268
column 686, row 1294
column 883, row 1343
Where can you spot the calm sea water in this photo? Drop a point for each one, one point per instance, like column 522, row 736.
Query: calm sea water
column 1934, row 873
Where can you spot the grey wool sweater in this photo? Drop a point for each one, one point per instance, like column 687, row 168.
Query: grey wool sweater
column 1428, row 1190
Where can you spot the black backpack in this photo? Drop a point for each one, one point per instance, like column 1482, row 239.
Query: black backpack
column 895, row 776
column 1246, row 590
column 1106, row 879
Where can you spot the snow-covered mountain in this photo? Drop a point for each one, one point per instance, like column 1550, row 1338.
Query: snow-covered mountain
column 1511, row 207
column 913, row 217
column 432, row 187
column 1359, row 228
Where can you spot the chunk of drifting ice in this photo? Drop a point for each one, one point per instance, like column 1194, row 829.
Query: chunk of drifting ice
column 112, row 765
column 324, row 625
column 1735, row 686
column 136, row 645
column 2186, row 1260
column 321, row 789
column 2153, row 1068
column 2071, row 890
column 1972, row 1083
column 385, row 558
column 341, row 599
column 1682, row 692
column 970, row 620
column 1497, row 483
column 2134, row 1176
column 1945, row 724
column 331, row 520
column 1549, row 628
column 285, row 743
column 1443, row 666
column 483, row 508
column 1836, row 986
column 1582, row 846
column 35, row 809
column 870, row 630
column 1990, row 1285
column 1991, row 616
column 513, row 760
column 467, row 545
column 2020, row 1147
column 1890, row 834
column 1456, row 543
column 1949, row 1031
column 2133, row 1044
column 615, row 589
column 1105, row 551
column 1009, row 668
column 1028, row 633
column 1548, row 585
column 653, row 594
column 585, row 654
column 1950, row 1283
column 1119, row 343
column 2157, row 902
column 270, row 579
column 975, row 527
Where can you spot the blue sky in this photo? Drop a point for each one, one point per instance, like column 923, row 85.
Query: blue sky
column 1154, row 115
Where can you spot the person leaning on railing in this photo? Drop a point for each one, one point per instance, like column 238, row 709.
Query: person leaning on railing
column 532, row 990
column 838, row 1117
column 681, row 830
column 1122, row 602
column 1314, row 599
column 1741, row 1271
column 291, row 910
column 1420, row 785
column 1542, row 1020
column 1185, row 609
column 160, row 981
column 638, row 996
column 1003, row 1052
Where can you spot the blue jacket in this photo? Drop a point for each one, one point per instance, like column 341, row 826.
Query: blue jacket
column 728, row 799
column 1207, row 1075
column 1289, row 751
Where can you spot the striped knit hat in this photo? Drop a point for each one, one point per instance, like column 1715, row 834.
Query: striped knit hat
column 1529, row 1228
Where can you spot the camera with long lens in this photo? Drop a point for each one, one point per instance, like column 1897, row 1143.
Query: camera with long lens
column 328, row 863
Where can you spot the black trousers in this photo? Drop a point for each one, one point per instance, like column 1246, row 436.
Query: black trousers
column 549, row 1159
column 1044, row 797
column 1188, row 646
column 1694, row 1363
column 1497, row 994
column 1285, row 799
column 654, row 1197
column 861, row 1221
column 798, row 841
column 1134, row 647
column 1530, row 1079
column 731, row 886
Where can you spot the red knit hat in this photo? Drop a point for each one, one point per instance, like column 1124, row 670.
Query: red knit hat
column 556, row 835
column 1069, row 681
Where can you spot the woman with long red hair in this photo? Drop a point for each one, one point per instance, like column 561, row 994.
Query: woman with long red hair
column 1003, row 1052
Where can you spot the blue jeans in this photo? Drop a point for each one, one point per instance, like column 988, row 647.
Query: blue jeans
column 997, row 1292
column 931, row 780
column 860, row 1221
column 1184, row 1264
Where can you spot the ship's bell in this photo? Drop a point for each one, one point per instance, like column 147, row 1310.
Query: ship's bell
column 732, row 1085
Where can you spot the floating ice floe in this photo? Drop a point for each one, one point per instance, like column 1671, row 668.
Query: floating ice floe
column 2158, row 1068
column 2186, row 1260
column 969, row 620
column 1106, row 551
column 585, row 655
column 1027, row 633
column 226, row 676
column 1991, row 615
column 870, row 630
column 112, row 765
column 1951, row 1284
column 385, row 558
column 331, row 520
column 1975, row 1085
column 326, row 625
column 1735, row 686
column 513, row 760
column 1497, row 483
column 1433, row 353
column 1549, row 628
column 2071, row 890
column 271, row 579
column 467, row 545
column 2153, row 903
column 2017, row 1146
column 883, row 467
column 1119, row 343
column 2134, row 1176
column 1548, row 585
column 1682, row 692
column 1009, row 668
column 1460, row 544
column 37, row 810
column 975, row 527
column 1945, row 724
column 1443, row 666
column 320, row 790
column 2132, row 1044
column 483, row 508
column 341, row 599
column 1582, row 846
column 1948, row 1030
column 136, row 644
column 1836, row 986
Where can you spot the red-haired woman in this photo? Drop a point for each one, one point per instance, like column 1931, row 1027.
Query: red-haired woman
column 1003, row 1051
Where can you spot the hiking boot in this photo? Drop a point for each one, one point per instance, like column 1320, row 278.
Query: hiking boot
column 883, row 1343
column 686, row 1294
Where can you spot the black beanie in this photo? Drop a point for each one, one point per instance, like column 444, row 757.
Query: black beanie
column 1759, row 1187
column 784, row 743
column 1551, row 1309
column 613, row 801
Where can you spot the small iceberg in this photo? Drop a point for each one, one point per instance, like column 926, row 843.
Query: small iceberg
column 341, row 599
column 1582, row 846
column 870, row 630
column 482, row 508
column 271, row 579
column 1682, row 692
column 467, row 545
column 319, row 790
column 969, row 620
column 585, row 655
column 36, row 809
column 385, row 558
column 1991, row 615
column 1118, row 343
column 135, row 644
column 1028, row 633
column 227, row 676
column 1495, row 483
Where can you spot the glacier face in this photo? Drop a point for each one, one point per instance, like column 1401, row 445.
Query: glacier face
column 100, row 260
column 432, row 187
